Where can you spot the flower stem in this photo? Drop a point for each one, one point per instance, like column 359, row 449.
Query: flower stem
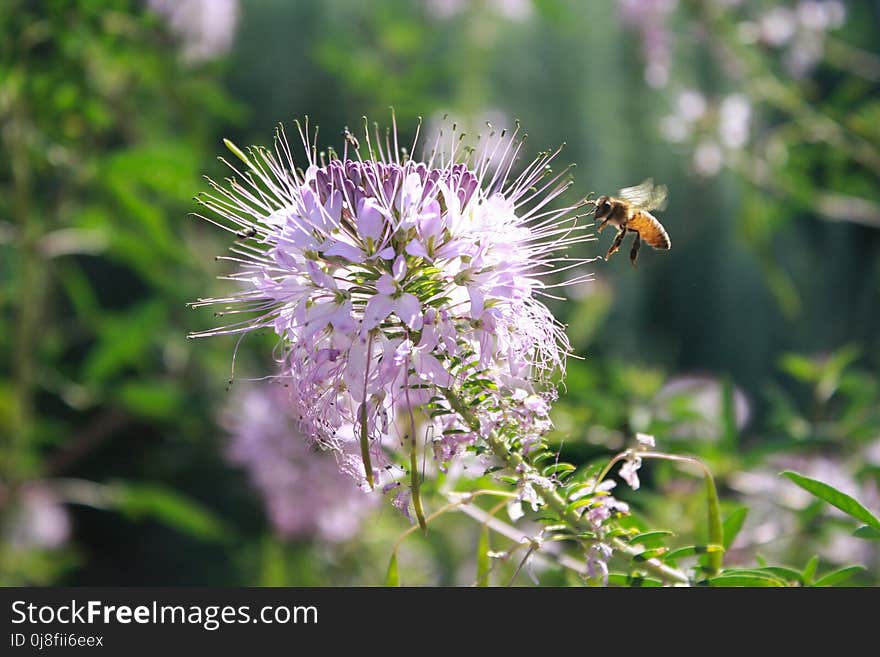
column 518, row 463
column 415, row 480
column 362, row 418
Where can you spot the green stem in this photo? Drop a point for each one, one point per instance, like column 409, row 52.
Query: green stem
column 30, row 305
column 362, row 418
column 715, row 525
column 518, row 463
column 414, row 478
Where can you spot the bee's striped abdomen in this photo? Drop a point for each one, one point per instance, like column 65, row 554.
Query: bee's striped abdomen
column 650, row 230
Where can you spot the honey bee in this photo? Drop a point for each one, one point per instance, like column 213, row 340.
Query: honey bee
column 631, row 212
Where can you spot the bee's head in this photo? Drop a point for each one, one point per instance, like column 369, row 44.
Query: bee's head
column 603, row 207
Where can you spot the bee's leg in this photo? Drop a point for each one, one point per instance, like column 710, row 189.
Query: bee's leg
column 634, row 253
column 601, row 226
column 616, row 244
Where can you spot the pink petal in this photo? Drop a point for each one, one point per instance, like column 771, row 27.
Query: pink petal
column 417, row 249
column 385, row 285
column 346, row 251
column 477, row 301
column 369, row 219
column 399, row 268
column 409, row 309
column 378, row 308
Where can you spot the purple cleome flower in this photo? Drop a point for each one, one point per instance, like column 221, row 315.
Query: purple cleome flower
column 395, row 283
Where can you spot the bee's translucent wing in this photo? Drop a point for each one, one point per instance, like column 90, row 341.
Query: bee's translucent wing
column 646, row 195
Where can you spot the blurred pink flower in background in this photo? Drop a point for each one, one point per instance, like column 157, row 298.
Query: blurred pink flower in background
column 40, row 520
column 305, row 493
column 206, row 28
column 702, row 398
column 650, row 19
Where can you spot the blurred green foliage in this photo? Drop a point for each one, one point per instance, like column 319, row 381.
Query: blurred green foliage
column 765, row 311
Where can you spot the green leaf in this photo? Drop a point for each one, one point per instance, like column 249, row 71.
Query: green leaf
column 800, row 367
column 868, row 533
column 577, row 504
column 125, row 340
column 834, row 497
column 650, row 554
column 742, row 580
column 810, row 570
column 716, row 529
column 483, row 561
column 838, row 576
column 784, row 573
column 169, row 507
column 648, row 537
column 634, row 581
column 155, row 399
column 733, row 524
column 693, row 549
column 557, row 469
column 392, row 577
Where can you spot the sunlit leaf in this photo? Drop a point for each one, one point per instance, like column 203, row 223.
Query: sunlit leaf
column 580, row 503
column 867, row 532
column 810, row 570
column 742, row 580
column 716, row 528
column 557, row 469
column 634, row 581
column 733, row 523
column 650, row 554
column 647, row 537
column 784, row 573
column 392, row 576
column 834, row 497
column 691, row 550
column 838, row 576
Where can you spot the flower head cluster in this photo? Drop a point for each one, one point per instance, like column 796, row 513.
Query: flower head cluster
column 304, row 492
column 405, row 293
